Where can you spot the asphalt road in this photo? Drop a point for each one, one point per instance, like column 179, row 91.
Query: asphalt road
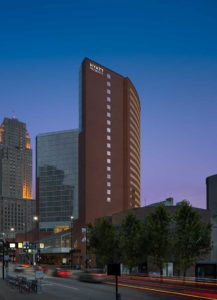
column 68, row 289
column 130, row 288
column 72, row 289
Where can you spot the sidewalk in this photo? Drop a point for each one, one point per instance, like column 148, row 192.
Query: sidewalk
column 9, row 293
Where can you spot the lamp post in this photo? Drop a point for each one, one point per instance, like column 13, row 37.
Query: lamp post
column 35, row 219
column 71, row 251
column 12, row 232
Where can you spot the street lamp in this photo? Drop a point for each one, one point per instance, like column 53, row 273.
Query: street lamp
column 36, row 238
column 71, row 251
column 36, row 219
column 12, row 232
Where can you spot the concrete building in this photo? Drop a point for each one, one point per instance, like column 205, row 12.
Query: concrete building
column 143, row 212
column 167, row 202
column 17, row 206
column 57, row 179
column 16, row 216
column 15, row 160
column 109, row 141
column 211, row 197
column 211, row 189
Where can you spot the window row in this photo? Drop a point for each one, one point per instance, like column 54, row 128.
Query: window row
column 108, row 138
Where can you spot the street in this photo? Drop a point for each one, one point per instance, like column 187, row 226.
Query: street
column 130, row 288
column 68, row 289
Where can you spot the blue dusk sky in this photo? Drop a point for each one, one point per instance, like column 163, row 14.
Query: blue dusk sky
column 168, row 48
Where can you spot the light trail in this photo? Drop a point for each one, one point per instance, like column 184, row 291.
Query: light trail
column 165, row 292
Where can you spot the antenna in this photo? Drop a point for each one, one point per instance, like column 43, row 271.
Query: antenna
column 13, row 114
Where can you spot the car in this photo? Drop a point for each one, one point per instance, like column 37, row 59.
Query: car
column 19, row 268
column 91, row 275
column 59, row 272
column 25, row 266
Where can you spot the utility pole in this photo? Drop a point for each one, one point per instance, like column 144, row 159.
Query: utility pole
column 71, row 251
column 3, row 258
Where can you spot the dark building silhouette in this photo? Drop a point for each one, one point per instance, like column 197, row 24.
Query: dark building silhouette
column 211, row 200
column 211, row 188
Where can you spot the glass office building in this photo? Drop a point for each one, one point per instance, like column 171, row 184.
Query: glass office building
column 57, row 179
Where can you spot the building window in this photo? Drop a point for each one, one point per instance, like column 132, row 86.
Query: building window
column 108, row 122
column 108, row 168
column 108, row 130
column 108, row 192
column 108, row 199
column 108, row 91
column 109, row 76
column 108, row 153
column 108, row 83
column 109, row 99
column 108, row 145
column 108, row 106
column 108, row 176
column 108, row 138
column 108, row 114
column 108, row 160
column 108, row 184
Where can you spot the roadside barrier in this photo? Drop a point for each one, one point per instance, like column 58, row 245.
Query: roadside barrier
column 22, row 284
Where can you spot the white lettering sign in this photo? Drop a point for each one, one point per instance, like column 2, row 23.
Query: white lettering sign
column 96, row 69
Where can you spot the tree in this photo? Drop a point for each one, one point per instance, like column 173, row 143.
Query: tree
column 132, row 241
column 192, row 237
column 159, row 237
column 103, row 241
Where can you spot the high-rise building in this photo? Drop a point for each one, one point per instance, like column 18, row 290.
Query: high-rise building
column 109, row 141
column 57, row 179
column 16, row 204
column 211, row 198
column 15, row 160
column 211, row 188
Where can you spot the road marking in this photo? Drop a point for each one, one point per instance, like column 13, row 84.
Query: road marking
column 163, row 291
column 63, row 285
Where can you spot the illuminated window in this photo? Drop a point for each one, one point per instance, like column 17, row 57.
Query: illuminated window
column 108, row 91
column 109, row 99
column 109, row 76
column 108, row 137
column 108, row 199
column 108, row 192
column 108, row 160
column 108, row 106
column 108, row 145
column 108, row 122
column 108, row 114
column 108, row 184
column 108, row 168
column 108, row 83
column 108, row 130
column 108, row 153
column 108, row 176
